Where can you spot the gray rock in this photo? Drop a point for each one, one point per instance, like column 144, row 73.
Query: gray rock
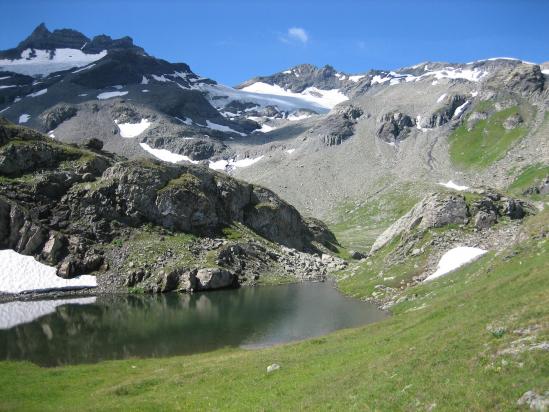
column 535, row 401
column 394, row 126
column 484, row 220
column 209, row 279
column 512, row 122
column 435, row 210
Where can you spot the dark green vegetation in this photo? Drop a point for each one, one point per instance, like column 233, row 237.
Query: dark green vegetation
column 457, row 342
column 481, row 144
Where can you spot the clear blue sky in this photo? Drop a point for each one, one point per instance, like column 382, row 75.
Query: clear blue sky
column 231, row 41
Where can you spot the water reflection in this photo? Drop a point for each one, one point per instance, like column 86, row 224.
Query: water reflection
column 117, row 327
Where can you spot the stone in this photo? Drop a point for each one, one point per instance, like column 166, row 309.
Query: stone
column 273, row 367
column 94, row 144
column 214, row 278
column 356, row 255
column 535, row 401
column 484, row 220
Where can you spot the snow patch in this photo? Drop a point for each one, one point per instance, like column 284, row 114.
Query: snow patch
column 144, row 80
column 442, row 97
column 221, row 128
column 290, row 151
column 129, row 130
column 24, row 118
column 454, row 186
column 546, row 71
column 454, row 259
column 24, row 274
column 230, row 164
column 41, row 64
column 8, row 86
column 17, row 313
column 459, row 111
column 325, row 99
column 357, row 78
column 84, row 68
column 38, row 93
column 3, row 110
column 145, row 91
column 166, row 155
column 108, row 95
column 265, row 128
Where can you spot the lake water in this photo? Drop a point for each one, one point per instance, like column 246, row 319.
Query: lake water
column 92, row 329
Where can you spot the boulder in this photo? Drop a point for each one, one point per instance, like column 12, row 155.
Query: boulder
column 435, row 210
column 214, row 278
column 484, row 220
column 512, row 122
column 394, row 126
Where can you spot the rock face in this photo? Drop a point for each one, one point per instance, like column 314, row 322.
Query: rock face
column 338, row 126
column 394, row 126
column 445, row 113
column 523, row 79
column 57, row 115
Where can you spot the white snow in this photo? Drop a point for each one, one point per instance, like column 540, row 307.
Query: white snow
column 166, row 155
column 4, row 77
column 108, row 95
column 83, row 95
column 84, row 68
column 356, row 78
column 160, row 78
column 23, row 273
column 454, row 186
column 118, row 87
column 8, row 86
column 441, row 98
column 18, row 313
column 455, row 258
column 265, row 128
column 546, row 71
column 378, row 79
column 290, row 151
column 145, row 91
column 144, row 80
column 222, row 128
column 287, row 72
column 38, row 93
column 474, row 94
column 459, row 111
column 3, row 110
column 473, row 75
column 24, row 118
column 185, row 120
column 228, row 165
column 326, row 99
column 294, row 117
column 129, row 130
column 41, row 64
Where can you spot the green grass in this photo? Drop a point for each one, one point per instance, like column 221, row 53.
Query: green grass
column 438, row 350
column 528, row 177
column 488, row 140
column 357, row 226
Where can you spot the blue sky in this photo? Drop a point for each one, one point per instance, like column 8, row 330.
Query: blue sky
column 231, row 41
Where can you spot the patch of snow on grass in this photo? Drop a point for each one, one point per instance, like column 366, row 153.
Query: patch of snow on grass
column 24, row 118
column 41, row 63
column 38, row 93
column 24, row 274
column 454, row 259
column 129, row 130
column 454, row 186
column 18, row 313
column 109, row 95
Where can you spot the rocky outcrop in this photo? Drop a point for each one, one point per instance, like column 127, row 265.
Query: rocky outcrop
column 435, row 210
column 57, row 115
column 445, row 113
column 394, row 126
column 338, row 126
column 443, row 209
column 525, row 79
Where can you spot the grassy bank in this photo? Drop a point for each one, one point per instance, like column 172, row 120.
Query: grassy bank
column 466, row 341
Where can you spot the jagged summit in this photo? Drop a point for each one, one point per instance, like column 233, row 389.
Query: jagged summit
column 43, row 39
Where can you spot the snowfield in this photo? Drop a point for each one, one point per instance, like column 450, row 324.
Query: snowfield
column 18, row 313
column 454, row 259
column 129, row 130
column 166, row 155
column 221, row 128
column 108, row 95
column 41, row 64
column 22, row 273
column 38, row 93
column 24, row 118
column 227, row 165
column 454, row 186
